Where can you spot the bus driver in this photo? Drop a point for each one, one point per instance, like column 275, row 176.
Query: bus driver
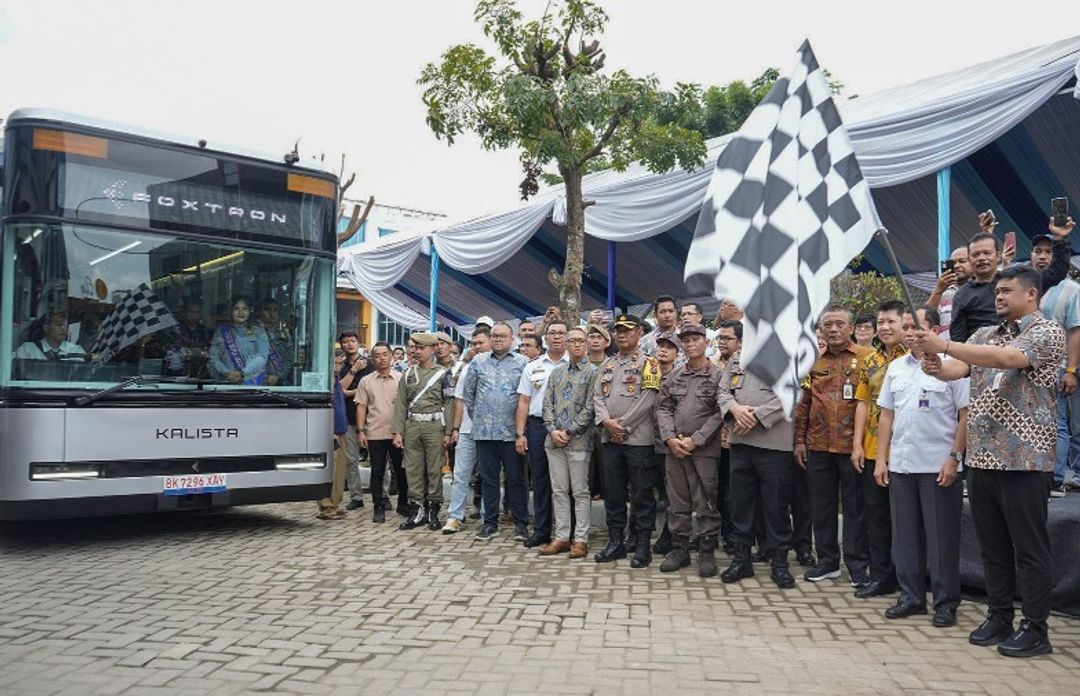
column 51, row 341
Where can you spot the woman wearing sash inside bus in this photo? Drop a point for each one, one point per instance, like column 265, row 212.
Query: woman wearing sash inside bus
column 240, row 349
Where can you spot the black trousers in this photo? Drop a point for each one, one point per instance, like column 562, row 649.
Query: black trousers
column 632, row 465
column 1008, row 509
column 380, row 452
column 830, row 474
column 878, row 527
column 497, row 457
column 761, row 485
column 802, row 528
column 536, row 433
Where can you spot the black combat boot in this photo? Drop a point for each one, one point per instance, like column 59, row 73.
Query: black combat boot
column 678, row 557
column 780, row 573
column 663, row 543
column 417, row 517
column 642, row 553
column 615, row 548
column 380, row 512
column 433, row 521
column 741, row 565
column 707, row 557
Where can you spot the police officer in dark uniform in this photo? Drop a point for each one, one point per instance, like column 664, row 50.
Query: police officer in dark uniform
column 624, row 396
column 689, row 420
column 762, row 472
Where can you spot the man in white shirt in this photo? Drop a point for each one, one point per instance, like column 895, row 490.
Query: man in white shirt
column 531, row 432
column 922, row 434
column 54, row 344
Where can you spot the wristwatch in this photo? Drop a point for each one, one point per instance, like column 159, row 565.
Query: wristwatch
column 521, row 434
column 1070, row 370
column 958, row 456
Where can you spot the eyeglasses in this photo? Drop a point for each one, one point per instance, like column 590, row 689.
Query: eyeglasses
column 575, row 340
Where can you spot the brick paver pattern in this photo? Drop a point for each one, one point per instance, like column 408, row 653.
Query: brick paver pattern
column 269, row 599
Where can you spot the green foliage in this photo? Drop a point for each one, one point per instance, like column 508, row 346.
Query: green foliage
column 546, row 94
column 862, row 293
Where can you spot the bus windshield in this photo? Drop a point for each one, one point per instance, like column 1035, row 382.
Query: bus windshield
column 91, row 306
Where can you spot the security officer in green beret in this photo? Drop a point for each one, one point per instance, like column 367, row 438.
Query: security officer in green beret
column 422, row 425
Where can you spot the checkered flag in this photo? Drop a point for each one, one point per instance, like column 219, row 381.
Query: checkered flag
column 139, row 314
column 786, row 210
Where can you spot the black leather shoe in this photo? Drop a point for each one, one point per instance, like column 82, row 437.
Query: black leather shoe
column 355, row 503
column 416, row 518
column 433, row 521
column 994, row 630
column 944, row 617
column 404, row 510
column 614, row 550
column 642, row 554
column 380, row 514
column 537, row 540
column 782, row 577
column 1030, row 640
column 805, row 558
column 875, row 589
column 741, row 566
column 905, row 608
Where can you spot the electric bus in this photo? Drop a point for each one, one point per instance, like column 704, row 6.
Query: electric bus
column 166, row 309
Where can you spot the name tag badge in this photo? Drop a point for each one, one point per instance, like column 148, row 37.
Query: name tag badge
column 996, row 384
column 924, row 401
column 849, row 391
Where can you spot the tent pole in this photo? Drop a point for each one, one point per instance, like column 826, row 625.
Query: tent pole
column 611, row 275
column 944, row 208
column 433, row 300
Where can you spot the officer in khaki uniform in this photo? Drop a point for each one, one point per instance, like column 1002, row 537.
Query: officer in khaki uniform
column 689, row 420
column 422, row 425
column 624, row 395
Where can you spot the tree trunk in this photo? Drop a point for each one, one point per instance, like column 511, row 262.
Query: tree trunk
column 569, row 284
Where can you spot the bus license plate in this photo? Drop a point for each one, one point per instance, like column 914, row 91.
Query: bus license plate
column 191, row 484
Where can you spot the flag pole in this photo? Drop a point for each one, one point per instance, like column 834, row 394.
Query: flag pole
column 883, row 235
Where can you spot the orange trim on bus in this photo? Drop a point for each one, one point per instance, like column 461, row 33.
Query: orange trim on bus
column 309, row 184
column 71, row 143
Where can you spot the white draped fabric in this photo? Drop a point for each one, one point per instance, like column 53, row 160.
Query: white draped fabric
column 899, row 135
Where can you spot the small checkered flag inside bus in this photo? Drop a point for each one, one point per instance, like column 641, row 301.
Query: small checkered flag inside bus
column 139, row 314
column 786, row 210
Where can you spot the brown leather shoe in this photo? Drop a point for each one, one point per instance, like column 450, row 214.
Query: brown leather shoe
column 579, row 549
column 554, row 547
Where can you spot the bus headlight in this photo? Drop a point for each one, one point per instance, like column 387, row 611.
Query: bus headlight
column 313, row 461
column 60, row 472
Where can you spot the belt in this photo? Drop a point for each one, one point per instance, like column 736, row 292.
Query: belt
column 536, row 418
column 426, row 417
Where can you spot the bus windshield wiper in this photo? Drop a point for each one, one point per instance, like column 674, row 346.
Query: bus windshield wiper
column 140, row 379
column 285, row 398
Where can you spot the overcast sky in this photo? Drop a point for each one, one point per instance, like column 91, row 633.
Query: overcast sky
column 341, row 76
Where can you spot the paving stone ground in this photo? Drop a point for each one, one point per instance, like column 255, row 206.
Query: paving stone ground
column 271, row 600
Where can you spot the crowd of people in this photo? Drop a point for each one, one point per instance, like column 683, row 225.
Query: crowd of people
column 903, row 414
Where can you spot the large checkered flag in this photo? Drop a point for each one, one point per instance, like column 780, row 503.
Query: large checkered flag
column 786, row 210
column 139, row 314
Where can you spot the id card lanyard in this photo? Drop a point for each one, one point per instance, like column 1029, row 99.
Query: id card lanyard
column 849, row 387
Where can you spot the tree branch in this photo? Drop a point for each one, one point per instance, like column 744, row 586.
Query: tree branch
column 604, row 139
column 355, row 222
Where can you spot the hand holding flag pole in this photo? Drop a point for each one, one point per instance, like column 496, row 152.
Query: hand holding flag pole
column 883, row 235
